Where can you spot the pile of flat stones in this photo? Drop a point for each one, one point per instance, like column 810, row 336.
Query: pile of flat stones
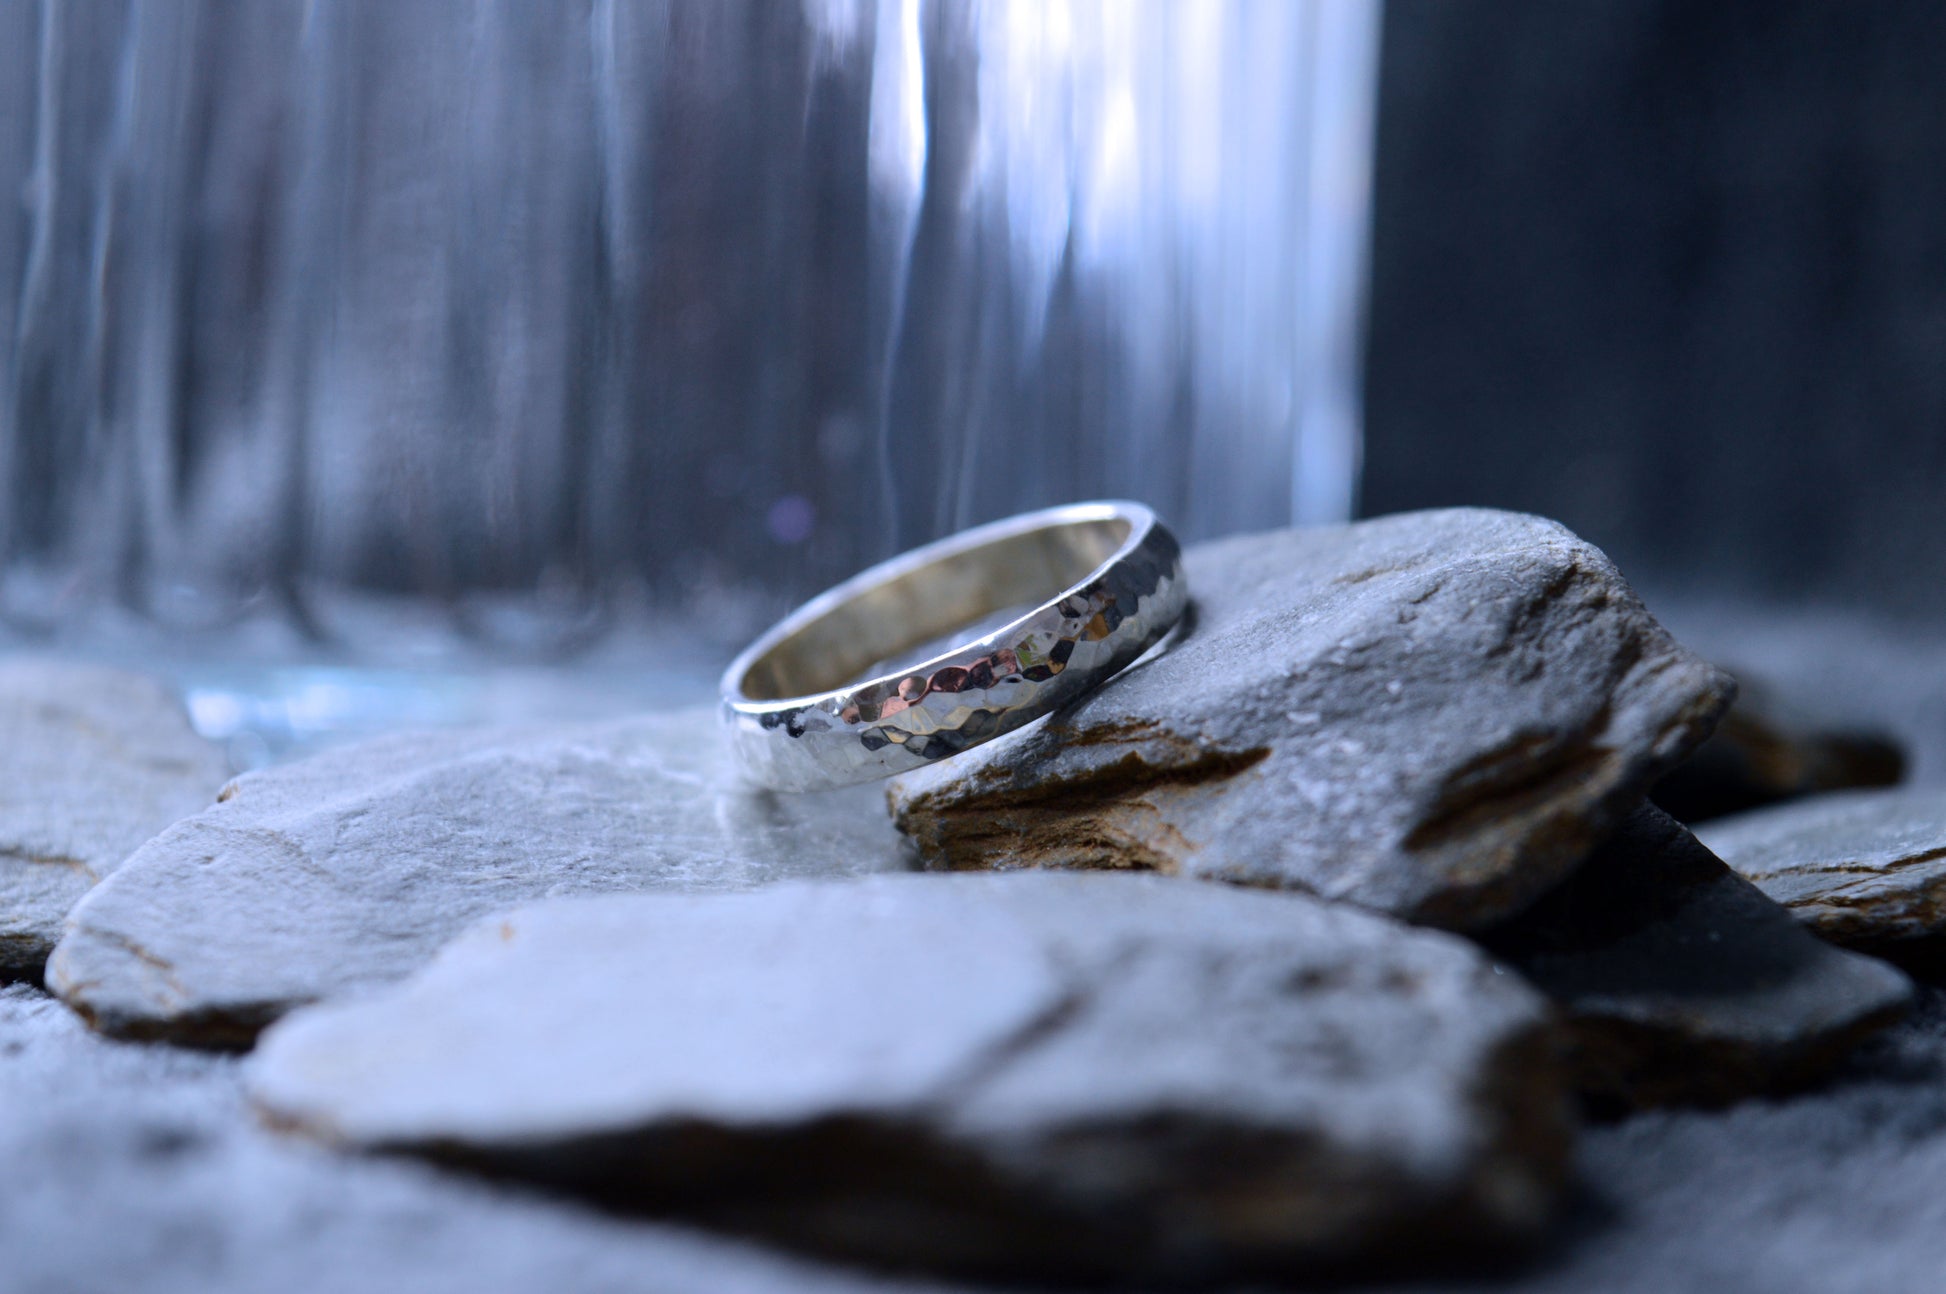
column 1303, row 950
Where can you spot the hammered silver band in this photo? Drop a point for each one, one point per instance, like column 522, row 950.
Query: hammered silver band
column 814, row 702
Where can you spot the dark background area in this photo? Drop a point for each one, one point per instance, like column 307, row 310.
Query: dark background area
column 1675, row 273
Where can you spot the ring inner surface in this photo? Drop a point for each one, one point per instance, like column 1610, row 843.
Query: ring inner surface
column 931, row 602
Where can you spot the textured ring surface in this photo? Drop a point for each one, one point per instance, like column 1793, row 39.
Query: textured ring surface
column 819, row 700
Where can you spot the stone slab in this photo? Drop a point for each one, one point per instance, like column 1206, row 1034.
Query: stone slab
column 1862, row 868
column 1435, row 715
column 1683, row 984
column 352, row 868
column 142, row 1167
column 1020, row 1076
column 94, row 763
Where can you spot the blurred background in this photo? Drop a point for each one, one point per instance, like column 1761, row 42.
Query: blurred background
column 362, row 361
column 1676, row 274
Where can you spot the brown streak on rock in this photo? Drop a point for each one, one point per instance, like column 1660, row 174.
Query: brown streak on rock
column 1127, row 732
column 227, row 1031
column 159, row 965
column 50, row 860
column 1863, row 871
column 1081, row 823
column 1378, row 572
column 1847, row 896
column 1621, row 1064
column 210, row 1028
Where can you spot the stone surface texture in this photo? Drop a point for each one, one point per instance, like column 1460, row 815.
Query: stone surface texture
column 1863, row 868
column 1435, row 715
column 95, row 762
column 1768, row 750
column 1050, row 1075
column 1682, row 983
column 141, row 1167
column 352, row 868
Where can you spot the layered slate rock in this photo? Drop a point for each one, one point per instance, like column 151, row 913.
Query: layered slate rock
column 95, row 762
column 352, row 868
column 143, row 1168
column 1028, row 1075
column 1864, row 868
column 1766, row 751
column 1435, row 715
column 1682, row 983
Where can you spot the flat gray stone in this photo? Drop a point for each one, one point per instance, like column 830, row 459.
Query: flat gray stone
column 95, row 762
column 1435, row 715
column 1027, row 1075
column 141, row 1167
column 1768, row 750
column 1683, row 984
column 1862, row 868
column 350, row 869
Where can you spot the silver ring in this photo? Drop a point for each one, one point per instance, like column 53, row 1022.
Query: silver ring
column 821, row 700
